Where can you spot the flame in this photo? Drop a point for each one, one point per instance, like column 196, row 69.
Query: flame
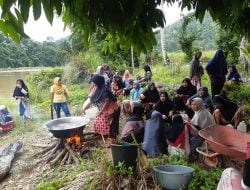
column 74, row 140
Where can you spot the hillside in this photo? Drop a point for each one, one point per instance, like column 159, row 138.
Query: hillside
column 207, row 37
column 29, row 53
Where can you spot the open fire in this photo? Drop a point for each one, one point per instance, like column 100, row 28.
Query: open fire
column 69, row 150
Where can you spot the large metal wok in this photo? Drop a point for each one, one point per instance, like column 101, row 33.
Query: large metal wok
column 225, row 141
column 66, row 127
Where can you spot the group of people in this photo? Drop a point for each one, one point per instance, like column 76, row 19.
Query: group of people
column 161, row 124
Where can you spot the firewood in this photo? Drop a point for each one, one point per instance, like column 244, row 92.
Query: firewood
column 46, row 149
column 40, row 145
column 65, row 158
column 54, row 151
column 72, row 153
column 69, row 159
column 58, row 157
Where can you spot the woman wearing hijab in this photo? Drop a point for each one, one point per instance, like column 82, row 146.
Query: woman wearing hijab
column 204, row 95
column 135, row 125
column 178, row 136
column 186, row 90
column 149, row 98
column 117, row 85
column 59, row 96
column 226, row 112
column 106, row 122
column 154, row 142
column 151, row 95
column 196, row 70
column 164, row 106
column 21, row 94
column 217, row 70
column 100, row 71
column 233, row 74
column 202, row 117
column 135, row 94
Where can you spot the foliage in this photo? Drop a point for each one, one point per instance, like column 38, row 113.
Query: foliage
column 29, row 53
column 131, row 21
column 207, row 34
column 39, row 84
column 239, row 93
column 229, row 42
column 186, row 39
column 54, row 185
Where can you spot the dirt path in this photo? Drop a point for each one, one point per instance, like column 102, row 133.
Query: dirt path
column 26, row 172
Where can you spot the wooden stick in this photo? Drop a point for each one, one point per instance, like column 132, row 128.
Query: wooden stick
column 53, row 152
column 65, row 158
column 72, row 153
column 40, row 145
column 45, row 150
column 59, row 156
column 69, row 159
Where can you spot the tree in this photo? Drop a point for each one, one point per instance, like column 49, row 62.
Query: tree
column 229, row 43
column 186, row 38
column 133, row 21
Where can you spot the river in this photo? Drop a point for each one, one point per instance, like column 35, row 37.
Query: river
column 8, row 81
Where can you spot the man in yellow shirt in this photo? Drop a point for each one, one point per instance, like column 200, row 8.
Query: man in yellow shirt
column 59, row 97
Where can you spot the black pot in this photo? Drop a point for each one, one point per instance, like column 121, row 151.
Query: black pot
column 66, row 127
column 126, row 153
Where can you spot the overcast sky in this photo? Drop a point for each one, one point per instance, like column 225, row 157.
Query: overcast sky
column 39, row 30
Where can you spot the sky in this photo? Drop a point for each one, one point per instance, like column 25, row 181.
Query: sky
column 41, row 29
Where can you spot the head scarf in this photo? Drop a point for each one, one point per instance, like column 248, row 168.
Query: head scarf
column 102, row 92
column 234, row 75
column 164, row 107
column 218, row 65
column 204, row 89
column 202, row 118
column 98, row 70
column 151, row 95
column 127, row 75
column 154, row 142
column 176, row 128
column 147, row 68
column 227, row 108
column 195, row 65
column 137, row 85
column 17, row 91
column 58, row 89
column 189, row 90
column 137, row 113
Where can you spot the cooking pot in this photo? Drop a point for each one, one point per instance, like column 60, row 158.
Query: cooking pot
column 66, row 127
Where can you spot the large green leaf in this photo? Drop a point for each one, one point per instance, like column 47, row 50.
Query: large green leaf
column 24, row 7
column 48, row 10
column 12, row 32
column 37, row 9
column 3, row 28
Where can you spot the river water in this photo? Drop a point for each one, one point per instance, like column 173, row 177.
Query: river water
column 8, row 81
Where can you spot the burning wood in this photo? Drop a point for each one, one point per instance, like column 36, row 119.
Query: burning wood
column 69, row 150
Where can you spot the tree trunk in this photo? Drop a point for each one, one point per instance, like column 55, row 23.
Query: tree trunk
column 132, row 58
column 163, row 49
column 243, row 58
column 6, row 157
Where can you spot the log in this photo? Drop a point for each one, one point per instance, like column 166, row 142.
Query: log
column 54, row 150
column 72, row 153
column 46, row 149
column 69, row 159
column 65, row 158
column 40, row 145
column 58, row 157
column 6, row 157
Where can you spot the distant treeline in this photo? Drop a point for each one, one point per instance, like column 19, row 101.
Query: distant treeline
column 207, row 36
column 29, row 53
